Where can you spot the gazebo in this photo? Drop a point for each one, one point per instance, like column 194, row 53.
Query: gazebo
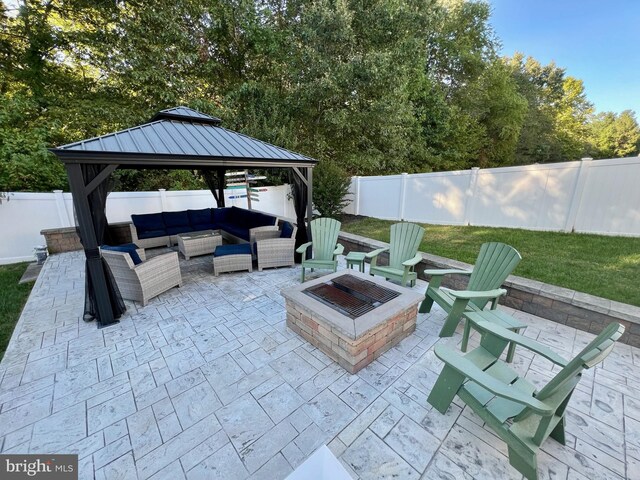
column 176, row 138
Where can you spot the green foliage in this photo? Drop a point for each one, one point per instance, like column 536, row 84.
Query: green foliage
column 615, row 135
column 384, row 86
column 331, row 187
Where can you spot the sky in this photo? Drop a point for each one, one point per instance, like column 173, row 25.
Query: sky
column 596, row 41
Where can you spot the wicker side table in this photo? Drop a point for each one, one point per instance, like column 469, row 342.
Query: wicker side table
column 232, row 258
column 192, row 244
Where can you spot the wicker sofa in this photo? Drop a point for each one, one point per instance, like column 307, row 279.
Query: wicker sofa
column 237, row 225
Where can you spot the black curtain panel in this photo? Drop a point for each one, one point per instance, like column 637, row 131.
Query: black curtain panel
column 300, row 199
column 214, row 178
column 97, row 204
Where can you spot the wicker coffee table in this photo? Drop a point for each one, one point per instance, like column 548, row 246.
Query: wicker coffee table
column 204, row 242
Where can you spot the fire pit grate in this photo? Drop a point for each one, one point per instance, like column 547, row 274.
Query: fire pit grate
column 366, row 288
column 351, row 296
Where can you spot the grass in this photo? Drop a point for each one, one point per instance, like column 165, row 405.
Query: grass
column 604, row 266
column 13, row 296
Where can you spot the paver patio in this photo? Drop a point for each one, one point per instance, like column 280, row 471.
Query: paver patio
column 207, row 382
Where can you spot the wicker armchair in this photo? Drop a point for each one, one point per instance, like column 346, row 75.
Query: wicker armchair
column 146, row 280
column 274, row 251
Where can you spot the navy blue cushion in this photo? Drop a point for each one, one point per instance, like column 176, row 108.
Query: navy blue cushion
column 148, row 222
column 232, row 249
column 287, row 230
column 175, row 219
column 129, row 248
column 220, row 215
column 239, row 217
column 199, row 217
column 236, row 230
column 152, row 234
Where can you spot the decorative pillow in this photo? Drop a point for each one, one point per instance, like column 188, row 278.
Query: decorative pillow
column 129, row 248
column 287, row 230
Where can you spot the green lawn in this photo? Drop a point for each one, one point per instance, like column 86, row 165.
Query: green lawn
column 604, row 266
column 12, row 298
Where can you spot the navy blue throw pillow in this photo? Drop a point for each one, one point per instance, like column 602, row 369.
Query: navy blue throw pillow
column 129, row 248
column 287, row 230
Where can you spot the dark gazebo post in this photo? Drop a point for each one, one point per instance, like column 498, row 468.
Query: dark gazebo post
column 79, row 193
column 309, row 202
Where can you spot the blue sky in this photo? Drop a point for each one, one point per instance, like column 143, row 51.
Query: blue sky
column 597, row 41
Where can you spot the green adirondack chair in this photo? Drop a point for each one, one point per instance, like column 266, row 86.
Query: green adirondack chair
column 521, row 415
column 494, row 264
column 403, row 254
column 324, row 234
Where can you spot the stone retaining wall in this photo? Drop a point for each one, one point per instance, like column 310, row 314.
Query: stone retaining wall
column 66, row 239
column 568, row 307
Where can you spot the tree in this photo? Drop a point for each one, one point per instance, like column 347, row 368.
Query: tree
column 331, row 189
column 615, row 135
column 573, row 113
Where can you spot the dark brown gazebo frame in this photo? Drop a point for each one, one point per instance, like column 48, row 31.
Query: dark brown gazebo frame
column 177, row 138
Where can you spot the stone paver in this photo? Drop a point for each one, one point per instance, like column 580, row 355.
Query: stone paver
column 207, row 382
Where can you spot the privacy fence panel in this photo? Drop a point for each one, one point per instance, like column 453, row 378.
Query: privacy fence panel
column 611, row 204
column 536, row 197
column 595, row 196
column 442, row 195
column 380, row 197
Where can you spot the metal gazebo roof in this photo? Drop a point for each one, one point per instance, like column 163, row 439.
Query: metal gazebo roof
column 180, row 138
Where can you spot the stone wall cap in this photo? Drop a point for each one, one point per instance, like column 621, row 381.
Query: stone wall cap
column 50, row 231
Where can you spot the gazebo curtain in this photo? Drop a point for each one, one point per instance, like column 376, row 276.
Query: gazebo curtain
column 300, row 200
column 97, row 200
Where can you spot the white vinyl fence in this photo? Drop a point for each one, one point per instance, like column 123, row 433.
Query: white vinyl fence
column 588, row 196
column 26, row 214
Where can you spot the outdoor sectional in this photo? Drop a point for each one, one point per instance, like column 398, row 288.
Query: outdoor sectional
column 237, row 225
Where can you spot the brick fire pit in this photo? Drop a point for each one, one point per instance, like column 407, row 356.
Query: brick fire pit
column 352, row 317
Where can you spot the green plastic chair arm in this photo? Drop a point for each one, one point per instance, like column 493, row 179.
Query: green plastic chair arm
column 472, row 372
column 339, row 249
column 302, row 248
column 377, row 252
column 471, row 295
column 525, row 342
column 413, row 261
column 440, row 273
